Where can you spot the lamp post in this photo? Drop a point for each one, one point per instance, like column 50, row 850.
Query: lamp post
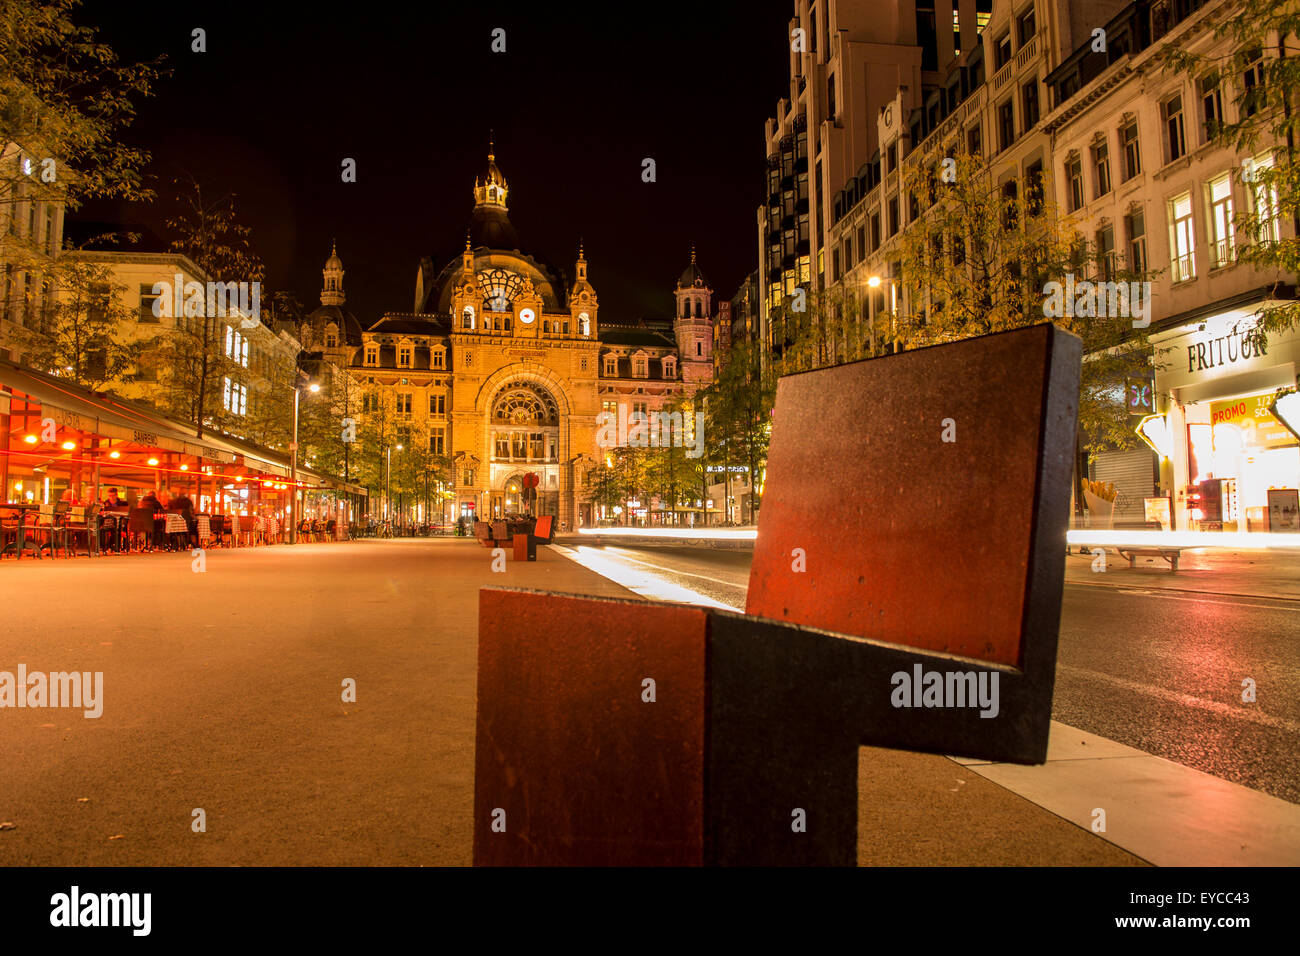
column 388, row 481
column 293, row 465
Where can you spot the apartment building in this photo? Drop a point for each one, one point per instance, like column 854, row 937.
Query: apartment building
column 1122, row 145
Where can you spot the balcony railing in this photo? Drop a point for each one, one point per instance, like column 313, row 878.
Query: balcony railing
column 1026, row 53
column 1183, row 268
column 1222, row 253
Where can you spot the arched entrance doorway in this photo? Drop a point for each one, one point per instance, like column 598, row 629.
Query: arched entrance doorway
column 523, row 436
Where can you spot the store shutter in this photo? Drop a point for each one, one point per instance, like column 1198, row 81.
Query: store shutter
column 1131, row 472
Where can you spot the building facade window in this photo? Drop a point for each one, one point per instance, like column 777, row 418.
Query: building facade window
column 404, row 354
column 438, row 403
column 438, row 358
column 1135, row 226
column 404, row 404
column 611, row 365
column 1171, row 111
column 1264, row 202
column 1074, row 182
column 973, row 143
column 1128, row 136
column 1221, row 234
column 1002, row 52
column 1029, row 104
column 372, row 354
column 234, row 397
column 437, row 442
column 1006, row 125
column 1101, row 169
column 1026, row 27
column 1182, row 238
column 1211, row 107
column 1106, row 264
column 1252, row 82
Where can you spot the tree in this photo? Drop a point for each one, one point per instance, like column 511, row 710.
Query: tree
column 985, row 257
column 64, row 100
column 739, row 408
column 77, row 339
column 209, row 233
column 1258, row 72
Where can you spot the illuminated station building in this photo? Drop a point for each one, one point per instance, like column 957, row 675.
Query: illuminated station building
column 504, row 365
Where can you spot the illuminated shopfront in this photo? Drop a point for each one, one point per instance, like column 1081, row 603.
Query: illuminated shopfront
column 1231, row 464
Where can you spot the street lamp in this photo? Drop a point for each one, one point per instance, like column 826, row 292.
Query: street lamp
column 293, row 464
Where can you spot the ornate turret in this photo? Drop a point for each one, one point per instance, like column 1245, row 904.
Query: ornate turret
column 582, row 298
column 332, row 292
column 490, row 225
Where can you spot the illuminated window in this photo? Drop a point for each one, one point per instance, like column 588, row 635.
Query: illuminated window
column 1182, row 238
column 467, row 318
column 1221, row 235
column 1264, row 200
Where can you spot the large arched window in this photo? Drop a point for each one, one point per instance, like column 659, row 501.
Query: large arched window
column 523, row 403
column 500, row 288
column 467, row 318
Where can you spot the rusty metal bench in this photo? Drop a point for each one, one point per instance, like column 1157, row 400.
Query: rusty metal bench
column 636, row 733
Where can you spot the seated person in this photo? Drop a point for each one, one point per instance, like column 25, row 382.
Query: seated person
column 112, row 501
column 180, row 502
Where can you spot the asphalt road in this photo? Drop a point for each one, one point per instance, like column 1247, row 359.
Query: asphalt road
column 1158, row 670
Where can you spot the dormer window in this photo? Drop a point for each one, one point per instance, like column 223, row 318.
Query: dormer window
column 372, row 353
column 438, row 357
column 331, row 336
column 611, row 365
column 640, row 366
column 670, row 367
column 404, row 354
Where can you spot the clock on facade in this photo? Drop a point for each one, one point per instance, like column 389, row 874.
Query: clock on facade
column 526, row 316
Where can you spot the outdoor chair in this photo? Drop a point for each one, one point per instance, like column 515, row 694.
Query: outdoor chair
column 140, row 523
column 83, row 523
column 11, row 532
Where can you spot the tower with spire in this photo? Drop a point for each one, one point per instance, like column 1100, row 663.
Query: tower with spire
column 582, row 298
column 693, row 324
column 331, row 292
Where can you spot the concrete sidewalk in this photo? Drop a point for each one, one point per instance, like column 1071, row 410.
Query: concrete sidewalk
column 222, row 693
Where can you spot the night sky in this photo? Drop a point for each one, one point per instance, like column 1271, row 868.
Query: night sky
column 582, row 95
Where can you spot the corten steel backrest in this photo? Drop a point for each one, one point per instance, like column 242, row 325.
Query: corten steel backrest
column 543, row 531
column 623, row 732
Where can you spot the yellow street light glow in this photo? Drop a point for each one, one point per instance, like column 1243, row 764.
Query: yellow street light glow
column 399, row 447
column 69, row 445
column 874, row 282
column 153, row 461
column 185, row 467
column 314, row 387
column 30, row 439
column 114, row 454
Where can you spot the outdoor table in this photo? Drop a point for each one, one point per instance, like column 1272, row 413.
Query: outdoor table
column 175, row 523
column 119, row 528
column 22, row 509
column 204, row 527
